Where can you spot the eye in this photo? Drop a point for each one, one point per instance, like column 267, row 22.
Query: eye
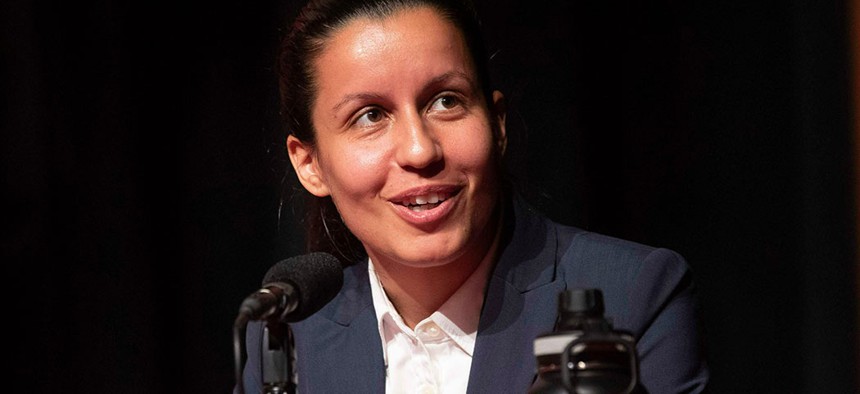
column 445, row 103
column 370, row 117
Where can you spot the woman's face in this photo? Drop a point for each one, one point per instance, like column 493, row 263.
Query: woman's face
column 404, row 142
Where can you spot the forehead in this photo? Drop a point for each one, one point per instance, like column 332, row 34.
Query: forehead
column 412, row 41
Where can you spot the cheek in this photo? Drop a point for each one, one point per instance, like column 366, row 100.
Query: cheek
column 352, row 171
column 472, row 150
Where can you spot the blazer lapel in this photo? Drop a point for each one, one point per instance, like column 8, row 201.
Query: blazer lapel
column 343, row 352
column 520, row 304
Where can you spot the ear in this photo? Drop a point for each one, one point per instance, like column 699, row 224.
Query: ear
column 306, row 165
column 499, row 112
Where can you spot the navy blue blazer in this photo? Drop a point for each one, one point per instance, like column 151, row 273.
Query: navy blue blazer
column 647, row 291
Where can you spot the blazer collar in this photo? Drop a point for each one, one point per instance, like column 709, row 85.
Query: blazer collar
column 354, row 297
column 530, row 243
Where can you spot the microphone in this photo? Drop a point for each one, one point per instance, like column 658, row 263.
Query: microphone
column 295, row 288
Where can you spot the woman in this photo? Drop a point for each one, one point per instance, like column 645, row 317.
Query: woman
column 395, row 131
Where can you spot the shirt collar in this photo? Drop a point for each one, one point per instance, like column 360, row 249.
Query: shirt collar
column 458, row 317
column 381, row 305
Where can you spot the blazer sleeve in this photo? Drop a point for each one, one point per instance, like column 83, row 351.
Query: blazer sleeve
column 666, row 315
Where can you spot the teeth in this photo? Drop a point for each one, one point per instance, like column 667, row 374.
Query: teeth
column 431, row 198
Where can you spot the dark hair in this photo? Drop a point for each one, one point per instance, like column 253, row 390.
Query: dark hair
column 313, row 26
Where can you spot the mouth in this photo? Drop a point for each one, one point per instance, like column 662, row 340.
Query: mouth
column 427, row 201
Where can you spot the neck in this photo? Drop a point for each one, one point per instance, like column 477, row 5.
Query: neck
column 417, row 292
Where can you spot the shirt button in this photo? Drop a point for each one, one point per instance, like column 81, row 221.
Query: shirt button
column 427, row 389
column 431, row 331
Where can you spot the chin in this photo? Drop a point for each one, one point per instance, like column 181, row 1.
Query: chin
column 429, row 256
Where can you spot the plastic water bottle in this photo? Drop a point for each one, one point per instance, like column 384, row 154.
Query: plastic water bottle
column 585, row 355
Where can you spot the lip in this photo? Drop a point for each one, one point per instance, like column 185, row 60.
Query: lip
column 429, row 216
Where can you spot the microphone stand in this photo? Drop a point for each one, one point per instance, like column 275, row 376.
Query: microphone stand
column 278, row 358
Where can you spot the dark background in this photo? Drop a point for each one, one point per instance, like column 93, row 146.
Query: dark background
column 143, row 174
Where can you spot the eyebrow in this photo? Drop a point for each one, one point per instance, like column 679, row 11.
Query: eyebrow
column 452, row 75
column 433, row 82
column 355, row 96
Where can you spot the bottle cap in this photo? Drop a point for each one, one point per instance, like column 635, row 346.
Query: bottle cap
column 581, row 302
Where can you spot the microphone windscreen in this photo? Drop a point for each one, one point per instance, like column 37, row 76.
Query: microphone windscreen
column 317, row 277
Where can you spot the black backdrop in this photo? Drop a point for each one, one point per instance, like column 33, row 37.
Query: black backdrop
column 143, row 173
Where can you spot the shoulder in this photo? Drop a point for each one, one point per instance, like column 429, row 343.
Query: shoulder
column 590, row 253
column 542, row 248
column 638, row 281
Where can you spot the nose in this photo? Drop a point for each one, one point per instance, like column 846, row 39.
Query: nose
column 417, row 146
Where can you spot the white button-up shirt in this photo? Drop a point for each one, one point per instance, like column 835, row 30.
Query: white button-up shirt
column 436, row 357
